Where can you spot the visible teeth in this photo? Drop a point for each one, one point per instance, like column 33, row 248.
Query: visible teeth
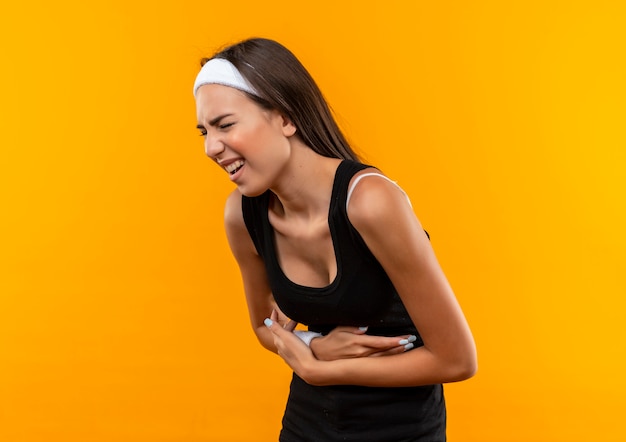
column 234, row 166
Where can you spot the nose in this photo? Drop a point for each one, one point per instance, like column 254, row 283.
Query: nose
column 213, row 146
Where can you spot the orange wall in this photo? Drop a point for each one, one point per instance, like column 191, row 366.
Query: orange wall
column 121, row 311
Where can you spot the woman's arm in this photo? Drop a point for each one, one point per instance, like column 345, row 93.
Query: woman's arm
column 256, row 287
column 385, row 220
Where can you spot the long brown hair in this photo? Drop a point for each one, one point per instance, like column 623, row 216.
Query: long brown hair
column 285, row 85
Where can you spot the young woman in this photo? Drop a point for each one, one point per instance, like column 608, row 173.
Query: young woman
column 326, row 241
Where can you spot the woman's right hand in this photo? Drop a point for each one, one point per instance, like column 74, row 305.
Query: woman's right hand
column 351, row 342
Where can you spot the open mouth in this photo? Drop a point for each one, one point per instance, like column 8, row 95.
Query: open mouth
column 234, row 167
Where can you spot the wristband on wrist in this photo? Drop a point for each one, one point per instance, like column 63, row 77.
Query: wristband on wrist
column 306, row 336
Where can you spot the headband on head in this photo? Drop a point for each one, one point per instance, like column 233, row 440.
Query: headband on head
column 222, row 71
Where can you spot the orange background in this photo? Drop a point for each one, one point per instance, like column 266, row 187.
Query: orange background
column 121, row 312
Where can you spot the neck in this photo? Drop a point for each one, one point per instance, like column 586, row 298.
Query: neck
column 306, row 186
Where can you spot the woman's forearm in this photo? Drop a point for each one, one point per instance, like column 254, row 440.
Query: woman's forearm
column 413, row 368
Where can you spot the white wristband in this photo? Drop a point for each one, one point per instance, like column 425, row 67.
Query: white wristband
column 306, row 336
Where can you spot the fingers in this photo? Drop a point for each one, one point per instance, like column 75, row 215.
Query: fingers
column 275, row 326
column 380, row 342
column 272, row 324
column 348, row 329
column 280, row 318
column 394, row 351
column 408, row 342
column 385, row 343
column 291, row 325
column 276, row 330
column 387, row 348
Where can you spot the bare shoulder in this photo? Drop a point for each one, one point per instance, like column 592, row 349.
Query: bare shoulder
column 376, row 199
column 233, row 214
column 238, row 237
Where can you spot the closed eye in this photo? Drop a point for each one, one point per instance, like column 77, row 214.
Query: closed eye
column 225, row 126
column 202, row 130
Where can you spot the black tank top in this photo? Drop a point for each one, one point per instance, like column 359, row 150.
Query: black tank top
column 361, row 294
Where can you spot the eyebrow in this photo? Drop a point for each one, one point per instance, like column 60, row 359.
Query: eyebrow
column 216, row 120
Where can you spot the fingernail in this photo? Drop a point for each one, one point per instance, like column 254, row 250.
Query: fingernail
column 408, row 347
column 412, row 338
column 268, row 322
column 403, row 341
column 363, row 328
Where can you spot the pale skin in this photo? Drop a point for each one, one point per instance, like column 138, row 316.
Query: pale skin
column 272, row 156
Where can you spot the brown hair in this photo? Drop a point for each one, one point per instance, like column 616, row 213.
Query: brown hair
column 285, row 85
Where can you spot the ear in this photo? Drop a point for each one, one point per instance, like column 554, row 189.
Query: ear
column 289, row 129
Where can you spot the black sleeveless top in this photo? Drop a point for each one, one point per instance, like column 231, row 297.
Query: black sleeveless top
column 361, row 294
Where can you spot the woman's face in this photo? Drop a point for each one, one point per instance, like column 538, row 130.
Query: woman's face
column 251, row 144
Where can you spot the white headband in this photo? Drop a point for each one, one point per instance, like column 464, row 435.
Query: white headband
column 222, row 71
